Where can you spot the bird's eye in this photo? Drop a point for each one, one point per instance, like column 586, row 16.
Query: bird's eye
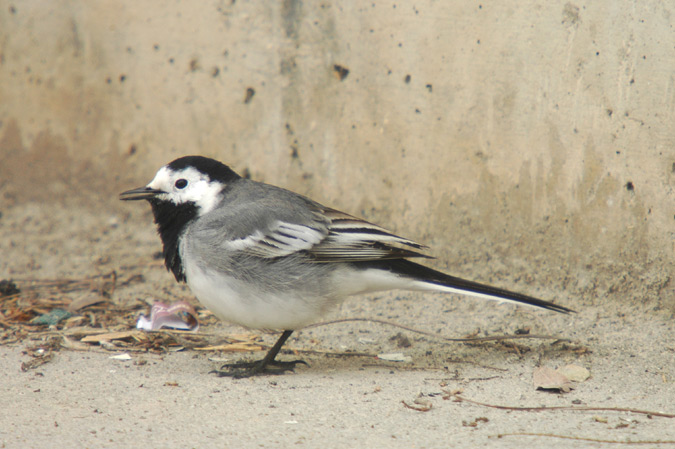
column 181, row 183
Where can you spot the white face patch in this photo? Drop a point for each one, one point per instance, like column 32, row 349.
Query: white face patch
column 187, row 185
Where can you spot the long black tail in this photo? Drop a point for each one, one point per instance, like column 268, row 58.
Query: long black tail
column 445, row 282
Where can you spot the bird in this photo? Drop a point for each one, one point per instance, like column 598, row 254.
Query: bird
column 267, row 258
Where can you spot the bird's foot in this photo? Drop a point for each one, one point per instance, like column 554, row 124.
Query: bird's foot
column 243, row 369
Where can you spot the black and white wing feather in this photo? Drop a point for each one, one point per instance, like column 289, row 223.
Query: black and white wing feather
column 351, row 239
column 279, row 239
column 329, row 236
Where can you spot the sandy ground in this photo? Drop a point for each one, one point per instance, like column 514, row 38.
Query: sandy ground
column 86, row 399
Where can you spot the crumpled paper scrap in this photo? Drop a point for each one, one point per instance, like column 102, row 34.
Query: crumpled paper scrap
column 178, row 315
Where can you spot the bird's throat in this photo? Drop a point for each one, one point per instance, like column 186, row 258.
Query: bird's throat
column 171, row 221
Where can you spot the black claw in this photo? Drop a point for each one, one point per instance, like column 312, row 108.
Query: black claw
column 241, row 370
column 267, row 365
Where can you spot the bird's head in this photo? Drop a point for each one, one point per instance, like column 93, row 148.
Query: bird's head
column 196, row 181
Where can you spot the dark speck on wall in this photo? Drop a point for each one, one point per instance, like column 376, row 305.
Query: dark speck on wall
column 341, row 72
column 250, row 92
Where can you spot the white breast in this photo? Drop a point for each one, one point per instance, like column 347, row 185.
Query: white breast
column 245, row 304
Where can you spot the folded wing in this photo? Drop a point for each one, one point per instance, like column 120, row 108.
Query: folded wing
column 330, row 236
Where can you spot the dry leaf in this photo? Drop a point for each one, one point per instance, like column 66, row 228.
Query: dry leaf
column 549, row 379
column 85, row 301
column 575, row 373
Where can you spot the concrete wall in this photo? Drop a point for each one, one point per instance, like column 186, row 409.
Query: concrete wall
column 529, row 142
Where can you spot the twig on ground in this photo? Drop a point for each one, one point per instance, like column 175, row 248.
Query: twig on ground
column 458, row 398
column 441, row 337
column 593, row 440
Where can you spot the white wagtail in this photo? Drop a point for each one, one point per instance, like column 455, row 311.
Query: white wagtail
column 267, row 258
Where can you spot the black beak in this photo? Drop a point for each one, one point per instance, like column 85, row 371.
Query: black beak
column 141, row 193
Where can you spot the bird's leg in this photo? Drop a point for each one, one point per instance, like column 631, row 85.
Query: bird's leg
column 265, row 366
